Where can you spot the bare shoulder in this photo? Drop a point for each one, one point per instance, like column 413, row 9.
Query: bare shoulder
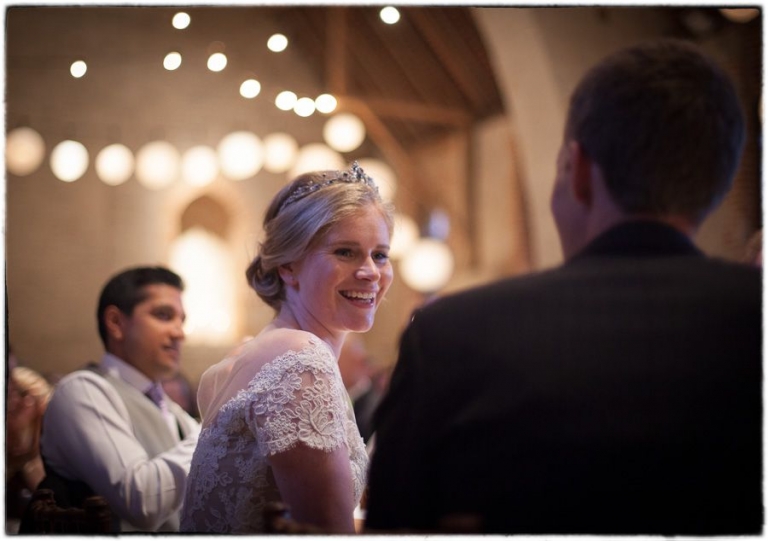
column 278, row 342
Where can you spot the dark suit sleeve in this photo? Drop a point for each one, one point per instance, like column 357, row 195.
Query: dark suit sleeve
column 398, row 483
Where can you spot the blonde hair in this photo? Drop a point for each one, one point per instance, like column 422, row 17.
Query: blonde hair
column 31, row 383
column 294, row 225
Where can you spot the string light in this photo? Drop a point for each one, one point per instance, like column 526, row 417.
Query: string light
column 217, row 62
column 78, row 69
column 250, row 88
column 69, row 160
column 181, row 20
column 172, row 61
column 389, row 15
column 277, row 43
column 326, row 103
column 285, row 100
column 114, row 164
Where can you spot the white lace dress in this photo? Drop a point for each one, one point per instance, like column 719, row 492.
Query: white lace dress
column 297, row 397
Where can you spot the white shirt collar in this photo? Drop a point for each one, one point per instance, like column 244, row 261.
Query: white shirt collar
column 118, row 368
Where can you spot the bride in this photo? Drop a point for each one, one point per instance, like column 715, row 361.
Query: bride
column 277, row 422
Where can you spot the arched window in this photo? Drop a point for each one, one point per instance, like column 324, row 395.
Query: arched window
column 204, row 260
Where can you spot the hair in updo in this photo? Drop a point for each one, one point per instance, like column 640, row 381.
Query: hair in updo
column 292, row 228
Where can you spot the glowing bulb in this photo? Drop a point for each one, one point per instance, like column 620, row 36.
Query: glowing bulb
column 404, row 236
column 250, row 88
column 78, row 69
column 389, row 15
column 69, row 160
column 316, row 157
column 217, row 61
column 427, row 266
column 277, row 43
column 157, row 165
column 241, row 155
column 24, row 151
column 304, row 107
column 344, row 132
column 199, row 166
column 172, row 61
column 279, row 152
column 114, row 164
column 326, row 103
column 383, row 175
column 181, row 20
column 286, row 100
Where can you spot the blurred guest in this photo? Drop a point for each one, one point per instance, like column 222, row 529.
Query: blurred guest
column 111, row 429
column 28, row 396
column 356, row 367
column 621, row 392
column 277, row 423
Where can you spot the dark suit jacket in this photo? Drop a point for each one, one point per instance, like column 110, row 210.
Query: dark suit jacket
column 618, row 393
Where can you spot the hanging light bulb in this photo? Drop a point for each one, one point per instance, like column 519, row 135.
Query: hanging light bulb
column 78, row 69
column 285, row 100
column 326, row 103
column 181, row 20
column 250, row 88
column 157, row 165
column 199, row 166
column 69, row 160
column 172, row 61
column 114, row 164
column 277, row 43
column 382, row 174
column 241, row 155
column 344, row 132
column 427, row 266
column 316, row 157
column 24, row 151
column 404, row 236
column 279, row 152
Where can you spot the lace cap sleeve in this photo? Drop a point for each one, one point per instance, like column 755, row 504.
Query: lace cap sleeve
column 298, row 397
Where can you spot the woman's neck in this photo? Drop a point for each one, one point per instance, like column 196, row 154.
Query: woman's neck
column 286, row 319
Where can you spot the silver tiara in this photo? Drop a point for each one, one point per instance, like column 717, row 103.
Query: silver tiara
column 355, row 174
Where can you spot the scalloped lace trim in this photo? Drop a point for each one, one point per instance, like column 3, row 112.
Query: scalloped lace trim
column 297, row 397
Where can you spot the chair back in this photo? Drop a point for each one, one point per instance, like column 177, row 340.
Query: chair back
column 95, row 516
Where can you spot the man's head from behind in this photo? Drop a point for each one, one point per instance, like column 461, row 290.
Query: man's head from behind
column 140, row 318
column 663, row 124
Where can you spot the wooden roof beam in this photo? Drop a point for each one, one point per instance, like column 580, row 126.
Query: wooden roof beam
column 419, row 112
column 336, row 46
column 436, row 42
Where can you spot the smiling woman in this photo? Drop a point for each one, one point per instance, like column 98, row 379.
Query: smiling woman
column 277, row 422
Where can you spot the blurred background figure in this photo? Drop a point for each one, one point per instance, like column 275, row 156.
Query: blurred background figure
column 27, row 398
column 365, row 383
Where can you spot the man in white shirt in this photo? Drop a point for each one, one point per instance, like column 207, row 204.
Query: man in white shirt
column 103, row 432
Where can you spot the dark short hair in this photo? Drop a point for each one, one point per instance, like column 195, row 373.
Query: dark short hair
column 126, row 289
column 665, row 125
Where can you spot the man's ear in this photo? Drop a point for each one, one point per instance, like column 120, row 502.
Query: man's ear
column 114, row 320
column 286, row 275
column 581, row 173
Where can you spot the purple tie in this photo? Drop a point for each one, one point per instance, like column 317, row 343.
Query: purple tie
column 156, row 395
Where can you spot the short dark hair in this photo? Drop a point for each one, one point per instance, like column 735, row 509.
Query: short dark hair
column 126, row 289
column 664, row 123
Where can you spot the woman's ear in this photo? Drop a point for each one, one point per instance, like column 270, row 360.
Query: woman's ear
column 113, row 320
column 286, row 275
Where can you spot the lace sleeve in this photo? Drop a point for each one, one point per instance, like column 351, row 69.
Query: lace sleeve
column 298, row 397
